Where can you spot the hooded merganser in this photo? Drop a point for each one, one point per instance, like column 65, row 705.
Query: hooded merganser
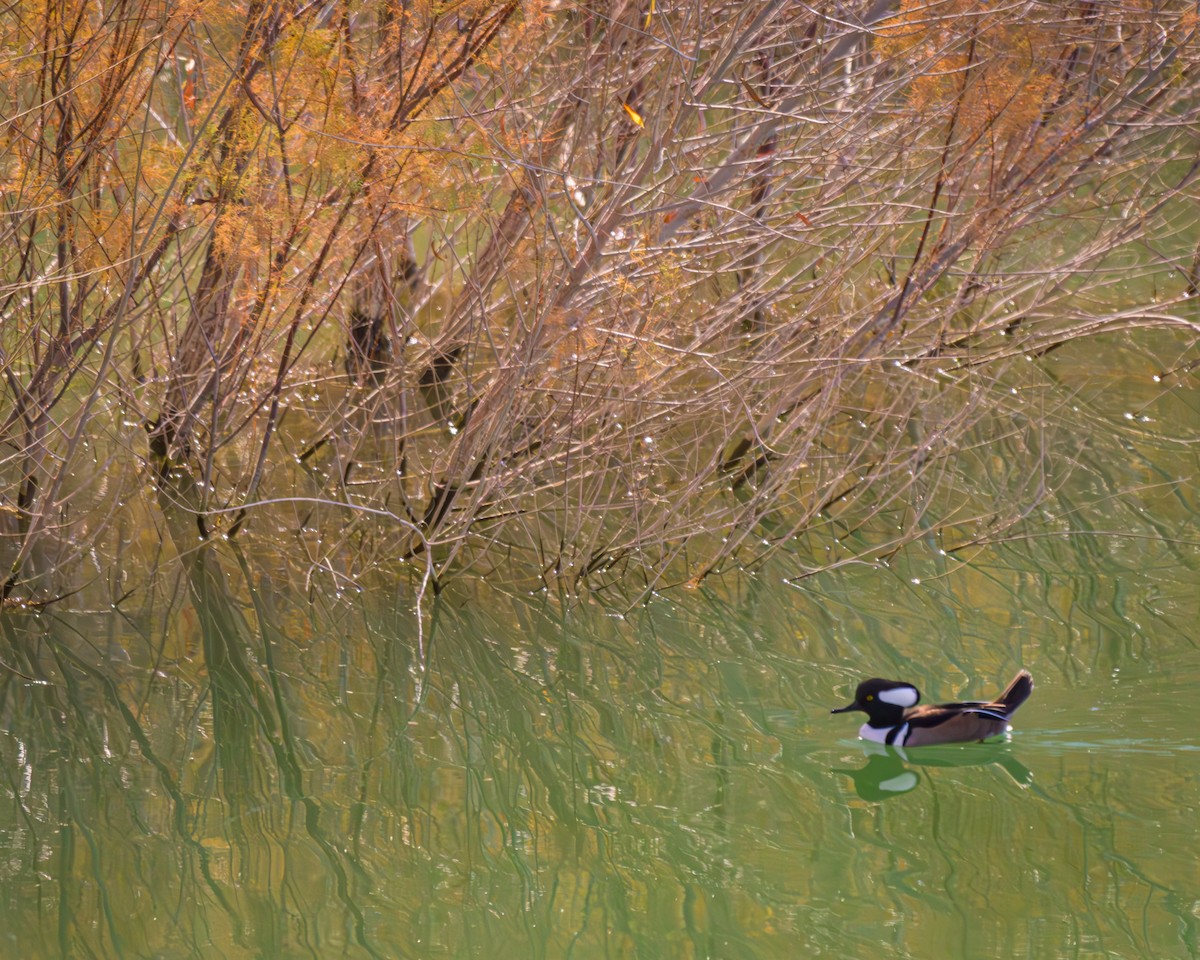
column 895, row 719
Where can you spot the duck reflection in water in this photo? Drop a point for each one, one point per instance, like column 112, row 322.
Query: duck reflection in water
column 889, row 770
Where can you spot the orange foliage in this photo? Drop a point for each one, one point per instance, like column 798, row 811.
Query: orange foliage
column 988, row 69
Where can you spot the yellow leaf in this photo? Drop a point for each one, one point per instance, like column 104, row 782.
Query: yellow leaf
column 634, row 115
column 649, row 14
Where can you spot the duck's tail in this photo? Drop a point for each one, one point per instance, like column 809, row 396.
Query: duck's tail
column 1016, row 693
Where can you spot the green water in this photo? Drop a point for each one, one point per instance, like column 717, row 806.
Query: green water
column 230, row 766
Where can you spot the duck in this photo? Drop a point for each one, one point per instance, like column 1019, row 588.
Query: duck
column 894, row 719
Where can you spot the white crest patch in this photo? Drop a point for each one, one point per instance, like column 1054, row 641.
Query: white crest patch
column 900, row 696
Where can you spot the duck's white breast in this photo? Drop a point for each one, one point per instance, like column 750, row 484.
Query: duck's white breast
column 880, row 734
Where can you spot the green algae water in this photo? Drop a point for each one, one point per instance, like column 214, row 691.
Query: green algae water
column 230, row 766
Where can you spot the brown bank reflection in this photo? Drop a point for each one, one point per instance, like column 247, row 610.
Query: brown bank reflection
column 240, row 769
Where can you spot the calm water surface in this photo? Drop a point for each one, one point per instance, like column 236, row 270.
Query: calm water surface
column 233, row 769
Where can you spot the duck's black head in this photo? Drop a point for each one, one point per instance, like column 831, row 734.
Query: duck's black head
column 883, row 701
